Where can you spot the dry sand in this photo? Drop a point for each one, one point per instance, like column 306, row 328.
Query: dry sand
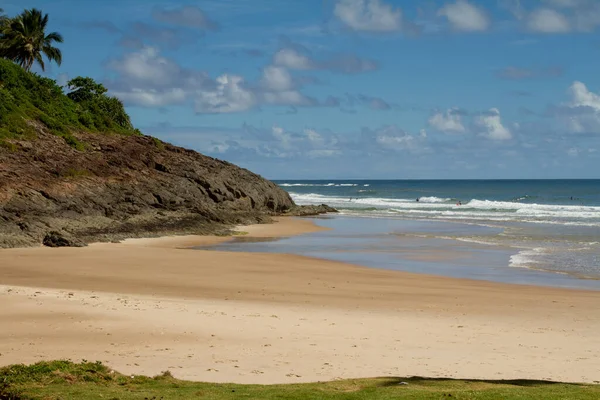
column 148, row 305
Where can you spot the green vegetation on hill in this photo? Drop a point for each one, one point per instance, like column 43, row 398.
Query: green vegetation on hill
column 28, row 99
column 27, row 96
column 66, row 380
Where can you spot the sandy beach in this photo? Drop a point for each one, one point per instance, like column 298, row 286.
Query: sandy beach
column 148, row 305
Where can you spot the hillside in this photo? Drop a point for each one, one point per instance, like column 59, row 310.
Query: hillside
column 72, row 172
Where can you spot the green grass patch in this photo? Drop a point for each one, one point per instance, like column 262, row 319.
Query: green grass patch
column 75, row 173
column 5, row 144
column 158, row 143
column 67, row 380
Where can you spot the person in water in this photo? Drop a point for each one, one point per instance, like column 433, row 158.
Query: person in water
column 417, row 199
column 459, row 203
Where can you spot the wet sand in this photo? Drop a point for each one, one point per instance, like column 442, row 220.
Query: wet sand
column 147, row 305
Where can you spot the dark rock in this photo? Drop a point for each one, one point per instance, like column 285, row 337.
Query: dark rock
column 57, row 239
column 125, row 186
column 303, row 211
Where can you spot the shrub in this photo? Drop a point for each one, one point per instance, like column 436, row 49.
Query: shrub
column 26, row 96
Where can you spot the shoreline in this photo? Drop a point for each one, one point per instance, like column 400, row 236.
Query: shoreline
column 147, row 305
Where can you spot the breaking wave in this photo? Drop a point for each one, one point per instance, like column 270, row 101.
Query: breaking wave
column 445, row 208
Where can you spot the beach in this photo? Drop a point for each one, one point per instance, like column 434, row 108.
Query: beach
column 144, row 306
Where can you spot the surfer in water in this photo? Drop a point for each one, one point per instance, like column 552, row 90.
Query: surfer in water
column 459, row 203
column 417, row 199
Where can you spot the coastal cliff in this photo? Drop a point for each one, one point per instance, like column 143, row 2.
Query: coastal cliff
column 123, row 186
column 74, row 170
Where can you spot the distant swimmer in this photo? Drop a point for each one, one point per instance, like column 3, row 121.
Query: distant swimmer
column 417, row 199
column 459, row 203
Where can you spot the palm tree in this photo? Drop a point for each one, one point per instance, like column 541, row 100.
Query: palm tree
column 23, row 40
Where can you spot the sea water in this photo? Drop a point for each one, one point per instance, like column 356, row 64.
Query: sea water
column 547, row 225
column 541, row 232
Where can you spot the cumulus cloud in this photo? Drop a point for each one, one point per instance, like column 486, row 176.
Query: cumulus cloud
column 368, row 15
column 391, row 138
column 148, row 79
column 582, row 112
column 562, row 16
column 187, row 16
column 375, row 103
column 517, row 73
column 145, row 78
column 277, row 78
column 293, row 58
column 152, row 97
column 546, row 20
column 466, row 17
column 279, row 88
column 490, row 126
column 448, row 121
column 230, row 95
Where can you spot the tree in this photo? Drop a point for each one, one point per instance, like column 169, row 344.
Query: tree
column 4, row 20
column 83, row 89
column 23, row 40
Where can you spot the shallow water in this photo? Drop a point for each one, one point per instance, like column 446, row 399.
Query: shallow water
column 429, row 247
column 552, row 225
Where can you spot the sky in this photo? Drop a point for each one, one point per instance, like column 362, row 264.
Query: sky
column 351, row 89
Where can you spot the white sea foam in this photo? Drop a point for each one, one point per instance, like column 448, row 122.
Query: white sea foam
column 433, row 199
column 445, row 208
column 318, row 184
column 527, row 258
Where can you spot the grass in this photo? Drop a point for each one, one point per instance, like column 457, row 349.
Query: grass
column 67, row 380
column 75, row 173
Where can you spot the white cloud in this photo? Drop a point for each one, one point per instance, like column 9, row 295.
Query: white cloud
column 229, row 96
column 391, row 138
column 546, row 20
column 583, row 110
column 149, row 80
column 490, row 126
column 466, row 17
column 146, row 65
column 581, row 96
column 395, row 142
column 291, row 58
column 287, row 98
column 276, row 78
column 308, row 142
column 368, row 15
column 562, row 16
column 448, row 121
column 187, row 16
column 152, row 97
column 313, row 137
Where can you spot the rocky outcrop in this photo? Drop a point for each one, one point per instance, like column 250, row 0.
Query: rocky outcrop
column 123, row 186
column 305, row 211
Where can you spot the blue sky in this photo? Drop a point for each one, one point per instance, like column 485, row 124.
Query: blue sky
column 351, row 88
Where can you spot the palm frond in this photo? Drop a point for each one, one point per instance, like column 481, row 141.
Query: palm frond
column 24, row 41
column 54, row 37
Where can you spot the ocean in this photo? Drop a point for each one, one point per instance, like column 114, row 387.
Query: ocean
column 544, row 225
